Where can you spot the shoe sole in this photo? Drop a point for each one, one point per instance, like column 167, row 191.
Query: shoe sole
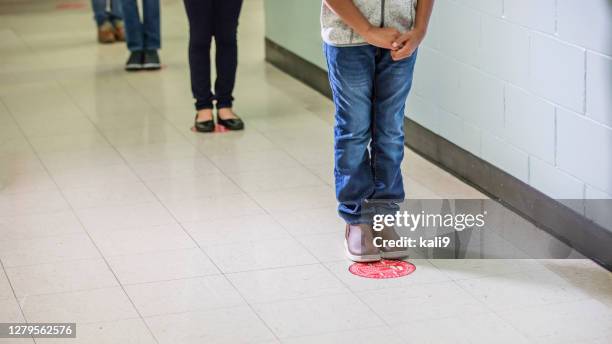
column 370, row 258
column 151, row 66
column 203, row 131
column 394, row 255
column 234, row 129
column 133, row 67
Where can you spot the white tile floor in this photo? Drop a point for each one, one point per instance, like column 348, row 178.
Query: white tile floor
column 114, row 215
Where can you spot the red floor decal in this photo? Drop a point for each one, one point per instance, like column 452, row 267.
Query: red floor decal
column 382, row 269
column 70, row 6
column 218, row 129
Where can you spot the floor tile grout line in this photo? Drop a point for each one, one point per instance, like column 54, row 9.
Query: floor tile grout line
column 54, row 263
column 249, row 196
column 392, row 325
column 323, row 264
column 265, row 134
column 298, row 241
column 274, row 219
column 294, row 238
column 268, row 214
column 182, row 227
column 219, row 274
column 162, row 115
column 207, row 255
column 17, row 300
column 497, row 312
column 232, row 180
column 210, row 258
column 326, row 267
column 356, row 295
column 190, row 236
column 330, row 332
column 80, row 221
column 73, row 291
column 110, row 270
column 27, row 139
column 256, row 130
column 252, row 308
column 310, row 252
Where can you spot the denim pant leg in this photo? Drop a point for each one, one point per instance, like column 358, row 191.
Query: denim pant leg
column 351, row 76
column 151, row 24
column 392, row 84
column 99, row 10
column 116, row 11
column 133, row 26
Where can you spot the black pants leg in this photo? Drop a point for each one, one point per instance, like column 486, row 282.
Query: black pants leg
column 225, row 29
column 208, row 18
column 200, row 15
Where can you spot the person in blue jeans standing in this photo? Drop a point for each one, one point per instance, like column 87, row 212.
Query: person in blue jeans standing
column 371, row 49
column 143, row 36
column 109, row 19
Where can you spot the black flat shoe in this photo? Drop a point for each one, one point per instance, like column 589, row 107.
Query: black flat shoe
column 204, row 126
column 231, row 123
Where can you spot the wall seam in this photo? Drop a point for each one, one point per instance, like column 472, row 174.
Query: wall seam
column 585, row 80
column 529, row 169
column 556, row 138
column 556, row 14
column 504, row 115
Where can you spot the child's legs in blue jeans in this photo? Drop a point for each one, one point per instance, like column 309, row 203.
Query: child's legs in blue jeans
column 392, row 85
column 370, row 92
column 351, row 76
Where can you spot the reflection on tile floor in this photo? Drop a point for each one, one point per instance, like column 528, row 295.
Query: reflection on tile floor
column 115, row 215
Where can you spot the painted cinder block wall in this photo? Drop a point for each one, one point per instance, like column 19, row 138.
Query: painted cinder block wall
column 527, row 86
column 524, row 84
column 294, row 24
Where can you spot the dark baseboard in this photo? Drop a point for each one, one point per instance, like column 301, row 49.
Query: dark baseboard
column 292, row 64
column 565, row 224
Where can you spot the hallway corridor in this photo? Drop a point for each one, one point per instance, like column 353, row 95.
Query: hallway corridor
column 116, row 216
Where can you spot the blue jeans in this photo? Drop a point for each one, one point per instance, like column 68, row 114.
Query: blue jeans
column 145, row 34
column 103, row 14
column 370, row 92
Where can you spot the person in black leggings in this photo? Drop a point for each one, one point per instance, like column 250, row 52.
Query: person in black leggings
column 218, row 19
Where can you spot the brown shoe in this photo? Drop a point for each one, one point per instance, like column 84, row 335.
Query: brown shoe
column 119, row 30
column 386, row 252
column 359, row 244
column 106, row 33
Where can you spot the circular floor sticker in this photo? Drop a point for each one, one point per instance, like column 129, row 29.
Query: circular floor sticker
column 218, row 129
column 70, row 6
column 382, row 269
